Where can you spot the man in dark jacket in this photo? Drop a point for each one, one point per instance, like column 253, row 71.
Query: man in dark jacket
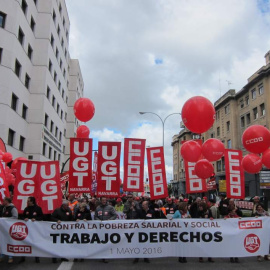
column 131, row 207
column 105, row 211
column 33, row 212
column 62, row 213
column 170, row 206
column 223, row 205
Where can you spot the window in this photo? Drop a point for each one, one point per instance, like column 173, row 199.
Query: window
column 30, row 51
column 59, row 157
column 57, row 108
column 51, row 126
column 55, row 77
column 247, row 100
column 58, row 30
column 57, row 53
column 48, row 94
column 14, row 102
column 248, row 118
column 60, row 136
column 67, row 100
column 44, row 148
column 63, row 93
column 261, row 90
column 56, row 131
column 21, row 145
column 60, row 9
column 54, row 155
column 61, row 63
column 27, row 81
column 67, row 34
column 64, row 73
column 30, row 157
column 262, row 109
column 253, row 93
column 20, row 36
column 255, row 113
column 59, row 85
column 2, row 19
column 1, row 52
column 54, row 16
column 66, row 53
column 50, row 152
column 242, row 121
column 66, row 116
column 64, row 149
column 229, row 144
column 18, row 67
column 53, row 101
column 24, row 6
column 11, row 137
column 64, row 22
column 35, row 1
column 46, row 120
column 228, row 126
column 217, row 115
column 218, row 131
column 227, row 109
column 65, row 131
column 32, row 24
column 241, row 103
column 24, row 111
column 50, row 65
column 52, row 40
column 62, row 43
column 219, row 166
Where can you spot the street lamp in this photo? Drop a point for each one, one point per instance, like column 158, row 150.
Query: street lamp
column 162, row 121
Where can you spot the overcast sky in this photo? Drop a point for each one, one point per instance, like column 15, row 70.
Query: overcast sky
column 152, row 55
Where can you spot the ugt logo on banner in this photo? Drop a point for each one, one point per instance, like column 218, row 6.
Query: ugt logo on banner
column 80, row 165
column 157, row 173
column 108, row 171
column 38, row 179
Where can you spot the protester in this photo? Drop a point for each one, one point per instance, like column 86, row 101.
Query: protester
column 203, row 212
column 93, row 204
column 232, row 214
column 182, row 212
column 260, row 212
column 131, row 208
column 159, row 210
column 32, row 212
column 8, row 211
column 237, row 211
column 145, row 213
column 193, row 210
column 119, row 207
column 72, row 202
column 223, row 205
column 256, row 201
column 83, row 213
column 214, row 209
column 105, row 212
column 62, row 213
column 170, row 206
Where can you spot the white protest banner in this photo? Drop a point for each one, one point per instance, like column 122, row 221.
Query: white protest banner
column 136, row 238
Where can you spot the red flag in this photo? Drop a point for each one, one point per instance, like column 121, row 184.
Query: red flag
column 4, row 192
column 157, row 173
column 26, row 178
column 235, row 180
column 80, row 165
column 108, row 183
column 194, row 184
column 134, row 150
column 48, row 186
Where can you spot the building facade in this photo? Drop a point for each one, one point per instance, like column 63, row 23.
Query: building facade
column 235, row 111
column 39, row 83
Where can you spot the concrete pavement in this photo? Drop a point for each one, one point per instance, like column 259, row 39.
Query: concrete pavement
column 123, row 264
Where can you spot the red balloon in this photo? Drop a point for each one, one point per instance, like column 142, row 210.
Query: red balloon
column 83, row 132
column 7, row 157
column 204, row 169
column 266, row 158
column 191, row 151
column 84, row 109
column 213, row 149
column 15, row 161
column 198, row 114
column 256, row 139
column 252, row 163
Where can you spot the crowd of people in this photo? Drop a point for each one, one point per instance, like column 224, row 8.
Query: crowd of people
column 76, row 209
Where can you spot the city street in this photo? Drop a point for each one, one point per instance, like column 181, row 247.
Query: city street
column 162, row 263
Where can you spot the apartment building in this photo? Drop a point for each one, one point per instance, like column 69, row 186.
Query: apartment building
column 38, row 80
column 235, row 111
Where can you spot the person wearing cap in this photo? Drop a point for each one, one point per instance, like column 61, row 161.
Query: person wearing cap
column 159, row 210
column 223, row 205
column 131, row 208
column 119, row 207
column 170, row 206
